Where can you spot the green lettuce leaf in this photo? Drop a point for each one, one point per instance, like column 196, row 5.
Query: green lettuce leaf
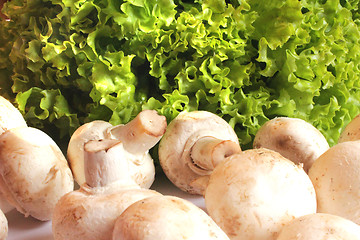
column 65, row 62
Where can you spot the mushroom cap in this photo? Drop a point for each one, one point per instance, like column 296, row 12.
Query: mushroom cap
column 90, row 213
column 142, row 169
column 165, row 217
column 94, row 130
column 253, row 193
column 294, row 138
column 351, row 131
column 34, row 172
column 336, row 178
column 4, row 228
column 10, row 116
column 175, row 145
column 320, row 226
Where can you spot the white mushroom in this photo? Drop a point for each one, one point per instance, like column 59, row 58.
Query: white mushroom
column 165, row 217
column 34, row 173
column 193, row 144
column 294, row 138
column 320, row 226
column 336, row 178
column 4, row 228
column 253, row 194
column 10, row 117
column 90, row 212
column 137, row 137
column 352, row 131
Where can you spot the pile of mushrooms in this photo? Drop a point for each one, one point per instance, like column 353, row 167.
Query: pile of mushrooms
column 253, row 194
column 111, row 198
column 290, row 185
column 115, row 165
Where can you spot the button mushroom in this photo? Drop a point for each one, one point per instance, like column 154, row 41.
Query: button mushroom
column 294, row 138
column 253, row 194
column 336, row 178
column 193, row 144
column 320, row 226
column 137, row 137
column 10, row 117
column 352, row 131
column 90, row 212
column 34, row 173
column 165, row 217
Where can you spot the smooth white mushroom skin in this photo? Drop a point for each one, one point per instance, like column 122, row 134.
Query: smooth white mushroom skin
column 75, row 153
column 253, row 194
column 165, row 217
column 107, row 161
column 10, row 116
column 34, row 172
column 188, row 146
column 336, row 178
column 351, row 131
column 4, row 227
column 90, row 213
column 320, row 226
column 294, row 138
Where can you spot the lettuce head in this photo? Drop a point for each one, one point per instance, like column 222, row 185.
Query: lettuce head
column 65, row 63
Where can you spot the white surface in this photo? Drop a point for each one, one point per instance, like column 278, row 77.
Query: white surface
column 21, row 228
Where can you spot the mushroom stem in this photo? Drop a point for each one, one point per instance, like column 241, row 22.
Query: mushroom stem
column 103, row 162
column 207, row 152
column 142, row 133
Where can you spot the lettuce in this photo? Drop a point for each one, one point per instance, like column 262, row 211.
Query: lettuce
column 65, row 63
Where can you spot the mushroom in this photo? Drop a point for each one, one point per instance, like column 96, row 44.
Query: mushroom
column 10, row 117
column 320, row 226
column 165, row 217
column 352, row 131
column 90, row 212
column 4, row 228
column 34, row 173
column 336, row 178
column 254, row 193
column 193, row 144
column 294, row 138
column 137, row 137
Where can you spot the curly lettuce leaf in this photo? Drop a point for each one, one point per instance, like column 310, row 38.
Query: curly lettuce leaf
column 69, row 62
